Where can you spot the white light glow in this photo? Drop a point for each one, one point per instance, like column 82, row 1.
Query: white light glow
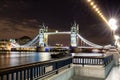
column 114, row 27
column 89, row 0
column 56, row 31
column 112, row 23
column 118, row 45
column 116, row 37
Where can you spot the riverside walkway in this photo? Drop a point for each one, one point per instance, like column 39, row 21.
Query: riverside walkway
column 16, row 70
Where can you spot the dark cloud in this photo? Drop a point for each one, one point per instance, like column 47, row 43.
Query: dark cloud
column 9, row 29
column 22, row 17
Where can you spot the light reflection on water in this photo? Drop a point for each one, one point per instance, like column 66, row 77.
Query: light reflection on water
column 14, row 59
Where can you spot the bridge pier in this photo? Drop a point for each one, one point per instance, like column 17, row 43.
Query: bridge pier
column 40, row 49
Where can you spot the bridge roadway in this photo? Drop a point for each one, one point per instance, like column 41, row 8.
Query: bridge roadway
column 52, row 33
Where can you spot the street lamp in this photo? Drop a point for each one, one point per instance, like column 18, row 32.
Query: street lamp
column 113, row 27
column 116, row 37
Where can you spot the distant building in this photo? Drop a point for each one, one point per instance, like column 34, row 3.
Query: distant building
column 5, row 46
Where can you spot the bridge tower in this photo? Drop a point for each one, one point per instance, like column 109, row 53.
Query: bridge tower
column 74, row 32
column 42, row 36
column 46, row 36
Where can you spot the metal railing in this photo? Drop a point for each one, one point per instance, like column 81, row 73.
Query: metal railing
column 34, row 70
column 37, row 70
column 88, row 60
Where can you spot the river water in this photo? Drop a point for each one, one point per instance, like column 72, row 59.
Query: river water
column 18, row 58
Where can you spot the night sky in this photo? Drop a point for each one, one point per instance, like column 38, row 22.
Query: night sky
column 22, row 18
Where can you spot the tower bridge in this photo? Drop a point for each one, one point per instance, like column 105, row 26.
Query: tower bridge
column 76, row 67
column 42, row 38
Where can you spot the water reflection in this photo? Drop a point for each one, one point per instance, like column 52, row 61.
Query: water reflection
column 17, row 58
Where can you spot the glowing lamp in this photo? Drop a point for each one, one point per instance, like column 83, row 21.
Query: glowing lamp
column 112, row 23
column 116, row 37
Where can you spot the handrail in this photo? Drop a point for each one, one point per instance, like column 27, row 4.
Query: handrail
column 31, row 64
column 92, row 60
column 39, row 69
column 34, row 70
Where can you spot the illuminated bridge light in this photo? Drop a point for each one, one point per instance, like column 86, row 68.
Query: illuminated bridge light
column 89, row 0
column 56, row 31
column 100, row 14
column 94, row 6
column 92, row 3
column 98, row 11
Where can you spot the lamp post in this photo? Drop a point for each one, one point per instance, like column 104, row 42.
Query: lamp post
column 116, row 37
column 113, row 27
